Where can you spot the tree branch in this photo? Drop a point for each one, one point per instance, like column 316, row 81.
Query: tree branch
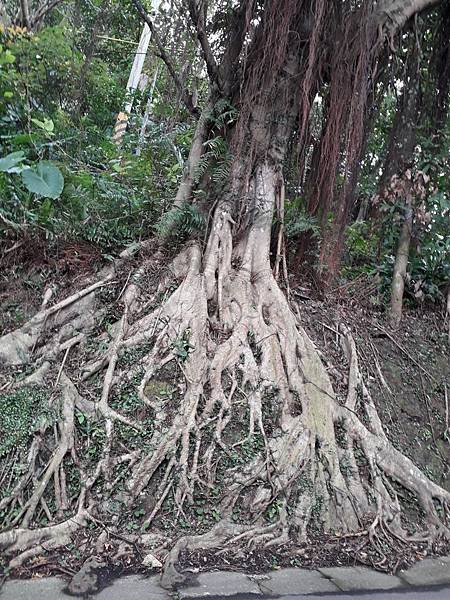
column 184, row 94
column 42, row 11
column 31, row 20
column 198, row 18
column 391, row 15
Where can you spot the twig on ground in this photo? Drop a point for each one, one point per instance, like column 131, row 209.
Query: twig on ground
column 412, row 359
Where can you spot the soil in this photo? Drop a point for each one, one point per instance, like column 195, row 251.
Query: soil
column 407, row 371
column 35, row 265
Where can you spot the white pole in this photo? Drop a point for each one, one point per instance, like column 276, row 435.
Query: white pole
column 133, row 80
column 136, row 69
column 147, row 114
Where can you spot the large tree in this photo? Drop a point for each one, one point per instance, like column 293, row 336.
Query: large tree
column 220, row 323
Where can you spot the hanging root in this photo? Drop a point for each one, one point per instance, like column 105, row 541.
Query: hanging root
column 209, row 389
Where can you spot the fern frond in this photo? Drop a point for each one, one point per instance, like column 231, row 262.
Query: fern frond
column 181, row 222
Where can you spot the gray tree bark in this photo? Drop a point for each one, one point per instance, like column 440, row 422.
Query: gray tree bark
column 401, row 265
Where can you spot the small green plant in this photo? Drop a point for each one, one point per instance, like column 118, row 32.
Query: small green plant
column 181, row 347
column 246, row 451
column 180, row 223
column 216, row 158
column 224, row 113
column 425, row 434
column 23, row 412
column 7, row 73
column 92, row 434
column 42, row 178
column 45, row 180
column 273, row 511
column 297, row 220
column 361, row 243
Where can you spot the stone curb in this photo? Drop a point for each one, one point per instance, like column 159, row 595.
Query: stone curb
column 292, row 581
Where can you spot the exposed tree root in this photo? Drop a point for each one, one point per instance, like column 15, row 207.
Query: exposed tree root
column 25, row 543
column 248, row 377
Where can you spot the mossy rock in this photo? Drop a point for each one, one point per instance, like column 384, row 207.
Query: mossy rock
column 157, row 388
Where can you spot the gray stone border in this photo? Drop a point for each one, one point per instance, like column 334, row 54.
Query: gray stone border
column 296, row 581
column 282, row 582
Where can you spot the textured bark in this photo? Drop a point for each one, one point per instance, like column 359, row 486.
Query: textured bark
column 401, row 265
column 391, row 15
column 25, row 14
column 185, row 189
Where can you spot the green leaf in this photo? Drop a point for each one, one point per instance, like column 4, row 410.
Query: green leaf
column 6, row 57
column 444, row 202
column 46, row 180
column 11, row 161
column 47, row 125
column 45, row 210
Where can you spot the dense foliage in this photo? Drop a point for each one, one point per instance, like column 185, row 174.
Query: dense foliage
column 57, row 113
column 61, row 176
